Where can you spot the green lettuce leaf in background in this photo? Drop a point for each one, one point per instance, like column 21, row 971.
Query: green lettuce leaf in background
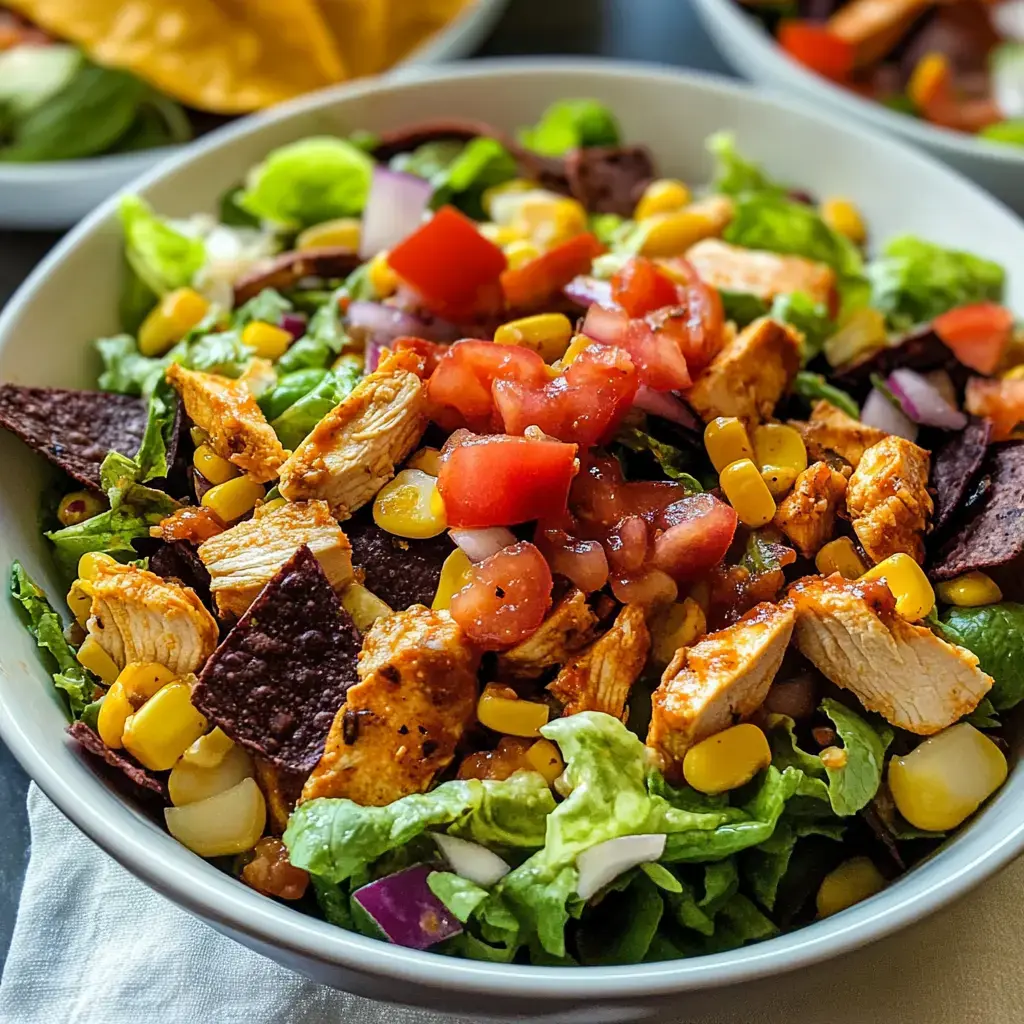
column 571, row 124
column 813, row 387
column 734, row 174
column 994, row 633
column 742, row 308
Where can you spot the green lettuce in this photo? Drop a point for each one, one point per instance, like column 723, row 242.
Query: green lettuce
column 672, row 461
column 324, row 339
column 308, row 182
column 812, row 387
column 571, row 124
column 125, row 370
column 1009, row 133
column 995, row 634
column 766, row 865
column 159, row 434
column 46, row 626
column 621, row 928
column 914, row 281
column 811, row 318
column 268, row 306
column 298, row 419
column 742, row 308
column 734, row 174
column 288, row 390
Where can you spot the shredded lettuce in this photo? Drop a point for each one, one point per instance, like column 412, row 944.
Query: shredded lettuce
column 571, row 124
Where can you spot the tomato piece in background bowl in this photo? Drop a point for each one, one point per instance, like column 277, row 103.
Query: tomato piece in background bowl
column 976, row 334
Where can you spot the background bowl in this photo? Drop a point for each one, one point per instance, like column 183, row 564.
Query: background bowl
column 59, row 193
column 72, row 298
column 754, row 53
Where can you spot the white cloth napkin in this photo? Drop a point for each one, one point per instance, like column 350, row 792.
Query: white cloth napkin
column 94, row 946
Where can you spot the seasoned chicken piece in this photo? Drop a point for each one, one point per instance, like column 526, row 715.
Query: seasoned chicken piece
column 831, row 430
column 750, row 374
column 137, row 616
column 568, row 627
column 720, row 680
column 807, row 515
column 600, row 678
column 402, row 721
column 243, row 560
column 352, row 452
column 226, row 410
column 874, row 27
column 764, row 274
column 888, row 500
column 851, row 633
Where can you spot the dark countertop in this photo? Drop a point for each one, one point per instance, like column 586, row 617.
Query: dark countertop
column 663, row 31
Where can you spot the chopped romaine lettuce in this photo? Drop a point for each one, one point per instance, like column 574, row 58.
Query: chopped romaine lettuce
column 325, row 338
column 742, row 307
column 288, row 390
column 152, row 454
column 734, row 174
column 125, row 369
column 571, row 124
column 673, row 461
column 269, row 306
column 812, row 387
column 621, row 928
column 995, row 634
column 299, row 418
column 807, row 316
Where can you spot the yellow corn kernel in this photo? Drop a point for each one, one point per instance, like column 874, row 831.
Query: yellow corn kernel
column 76, row 507
column 840, row 556
column 519, row 253
column 364, row 606
column 268, row 340
column 727, row 760
column 189, row 782
column 549, row 220
column 945, row 779
column 577, row 346
column 80, row 604
column 1014, row 373
column 502, row 234
column 972, row 590
column 142, row 679
column 545, row 758
column 546, row 333
column 676, row 626
column 209, row 750
column 345, row 232
column 671, row 234
column 405, row 506
column 908, row 583
column 781, row 455
column 382, row 278
column 747, row 493
column 834, row 758
column 510, row 716
column 844, row 218
column 926, row 77
column 663, row 195
column 89, row 564
column 427, row 460
column 726, row 440
column 170, row 320
column 214, row 468
column 854, row 880
column 219, row 826
column 96, row 660
column 114, row 712
column 506, row 189
column 454, row 576
column 198, row 435
column 233, row 498
column 164, row 728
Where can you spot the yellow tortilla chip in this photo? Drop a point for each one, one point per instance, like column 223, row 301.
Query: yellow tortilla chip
column 226, row 56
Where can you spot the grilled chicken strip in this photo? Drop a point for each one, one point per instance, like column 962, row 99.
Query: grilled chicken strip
column 832, row 431
column 720, row 680
column 243, row 560
column 137, row 616
column 226, row 410
column 352, row 452
column 851, row 633
column 568, row 627
column 600, row 678
column 807, row 515
column 402, row 721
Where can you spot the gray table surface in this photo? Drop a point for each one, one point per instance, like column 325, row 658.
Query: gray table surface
column 664, row 31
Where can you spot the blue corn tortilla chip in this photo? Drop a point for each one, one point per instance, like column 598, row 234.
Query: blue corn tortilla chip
column 89, row 740
column 955, row 468
column 178, row 560
column 609, row 179
column 276, row 682
column 74, row 429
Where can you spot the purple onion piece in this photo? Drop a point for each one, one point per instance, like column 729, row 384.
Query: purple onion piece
column 405, row 909
column 879, row 412
column 394, row 209
column 923, row 402
column 586, row 291
column 666, row 405
column 294, row 324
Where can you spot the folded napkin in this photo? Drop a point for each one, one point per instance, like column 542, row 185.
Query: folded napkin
column 92, row 945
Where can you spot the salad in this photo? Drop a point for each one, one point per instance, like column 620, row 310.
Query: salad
column 497, row 548
column 957, row 65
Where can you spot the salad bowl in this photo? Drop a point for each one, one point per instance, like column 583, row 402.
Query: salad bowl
column 73, row 297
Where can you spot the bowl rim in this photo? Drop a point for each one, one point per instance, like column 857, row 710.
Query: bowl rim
column 197, row 886
column 789, row 73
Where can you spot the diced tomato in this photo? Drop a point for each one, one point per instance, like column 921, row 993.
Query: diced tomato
column 506, row 598
column 460, row 389
column 581, row 561
column 640, row 288
column 1002, row 401
column 977, row 334
column 498, row 480
column 697, row 324
column 600, row 498
column 817, row 48
column 658, row 357
column 584, row 404
column 697, row 533
column 431, row 351
column 449, row 263
column 532, row 284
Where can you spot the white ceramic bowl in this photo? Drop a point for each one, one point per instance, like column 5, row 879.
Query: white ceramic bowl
column 59, row 193
column 72, row 298
column 754, row 53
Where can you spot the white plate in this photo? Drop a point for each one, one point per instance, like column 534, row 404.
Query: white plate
column 59, row 193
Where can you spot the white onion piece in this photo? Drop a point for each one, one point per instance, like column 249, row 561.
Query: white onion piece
column 923, row 402
column 879, row 412
column 481, row 544
column 666, row 405
column 585, row 291
column 604, row 863
column 472, row 861
column 608, row 326
column 394, row 209
column 1008, row 19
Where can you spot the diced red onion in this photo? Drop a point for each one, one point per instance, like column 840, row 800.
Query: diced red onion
column 583, row 562
column 604, row 863
column 626, row 546
column 384, row 323
column 879, row 412
column 405, row 909
column 481, row 544
column 472, row 861
column 394, row 209
column 587, row 291
column 607, row 326
column 294, row 324
column 923, row 402
column 667, row 406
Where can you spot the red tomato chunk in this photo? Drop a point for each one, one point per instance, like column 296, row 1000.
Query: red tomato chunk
column 977, row 334
column 641, row 288
column 532, row 284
